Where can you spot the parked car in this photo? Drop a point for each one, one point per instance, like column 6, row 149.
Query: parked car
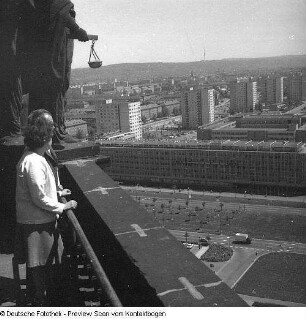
column 188, row 245
column 203, row 242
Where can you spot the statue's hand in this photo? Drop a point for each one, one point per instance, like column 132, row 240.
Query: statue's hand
column 82, row 35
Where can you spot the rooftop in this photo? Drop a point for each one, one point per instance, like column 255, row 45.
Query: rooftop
column 215, row 145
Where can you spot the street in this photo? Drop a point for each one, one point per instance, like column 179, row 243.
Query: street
column 260, row 244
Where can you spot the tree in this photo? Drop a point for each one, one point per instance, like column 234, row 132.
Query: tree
column 165, row 112
column 176, row 111
column 189, row 215
column 143, row 119
column 91, row 131
column 170, row 202
column 80, row 134
column 186, row 235
column 162, row 206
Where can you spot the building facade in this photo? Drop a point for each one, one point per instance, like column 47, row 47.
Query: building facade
column 87, row 114
column 130, row 118
column 197, row 107
column 297, row 87
column 273, row 168
column 107, row 114
column 243, row 96
column 76, row 128
column 273, row 90
column 119, row 116
column 285, row 127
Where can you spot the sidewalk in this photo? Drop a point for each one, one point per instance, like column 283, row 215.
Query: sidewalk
column 250, row 300
column 247, row 197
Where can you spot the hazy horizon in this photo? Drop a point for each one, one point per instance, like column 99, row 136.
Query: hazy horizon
column 238, row 58
column 178, row 31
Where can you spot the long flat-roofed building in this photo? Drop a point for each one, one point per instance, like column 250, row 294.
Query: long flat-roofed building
column 274, row 168
column 284, row 127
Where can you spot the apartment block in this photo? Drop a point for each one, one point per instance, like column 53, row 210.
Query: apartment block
column 197, row 106
column 274, row 168
column 273, row 90
column 119, row 116
column 243, row 96
column 107, row 114
column 130, row 117
column 297, row 87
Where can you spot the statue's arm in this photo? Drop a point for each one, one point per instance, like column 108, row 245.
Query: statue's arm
column 75, row 31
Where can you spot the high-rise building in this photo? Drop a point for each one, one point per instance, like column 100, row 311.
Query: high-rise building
column 130, row 118
column 123, row 116
column 273, row 90
column 297, row 87
column 197, row 106
column 243, row 95
column 107, row 116
column 304, row 87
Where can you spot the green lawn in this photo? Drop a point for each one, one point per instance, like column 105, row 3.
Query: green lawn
column 279, row 276
column 258, row 225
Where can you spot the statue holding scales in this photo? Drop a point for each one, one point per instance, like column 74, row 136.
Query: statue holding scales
column 45, row 31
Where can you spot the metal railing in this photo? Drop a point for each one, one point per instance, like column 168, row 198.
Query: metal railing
column 99, row 271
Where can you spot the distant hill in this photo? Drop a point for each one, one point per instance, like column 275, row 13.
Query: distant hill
column 137, row 71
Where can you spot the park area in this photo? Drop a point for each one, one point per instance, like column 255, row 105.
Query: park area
column 196, row 216
column 279, row 276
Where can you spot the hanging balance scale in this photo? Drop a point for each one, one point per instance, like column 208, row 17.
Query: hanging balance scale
column 94, row 62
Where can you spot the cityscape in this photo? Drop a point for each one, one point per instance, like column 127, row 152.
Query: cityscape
column 242, row 134
column 182, row 152
column 209, row 156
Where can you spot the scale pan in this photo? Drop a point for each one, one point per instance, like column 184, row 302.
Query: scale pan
column 95, row 64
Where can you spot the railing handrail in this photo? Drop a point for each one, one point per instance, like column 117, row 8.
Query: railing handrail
column 101, row 275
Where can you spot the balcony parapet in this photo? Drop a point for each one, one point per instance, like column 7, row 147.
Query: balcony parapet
column 144, row 263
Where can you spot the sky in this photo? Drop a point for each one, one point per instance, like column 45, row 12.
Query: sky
column 137, row 31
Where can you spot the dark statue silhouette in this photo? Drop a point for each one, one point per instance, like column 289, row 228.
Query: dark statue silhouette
column 36, row 47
